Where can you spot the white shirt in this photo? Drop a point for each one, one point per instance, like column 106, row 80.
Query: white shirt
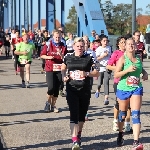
column 69, row 44
column 103, row 62
column 13, row 36
column 142, row 38
column 89, row 51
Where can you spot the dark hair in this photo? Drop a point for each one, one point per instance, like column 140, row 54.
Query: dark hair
column 118, row 40
column 102, row 37
column 136, row 32
column 45, row 31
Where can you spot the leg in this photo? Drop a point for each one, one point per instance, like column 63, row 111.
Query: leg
column 27, row 66
column 135, row 102
column 83, row 108
column 106, row 87
column 57, row 82
column 15, row 62
column 100, row 82
column 73, row 103
column 116, row 110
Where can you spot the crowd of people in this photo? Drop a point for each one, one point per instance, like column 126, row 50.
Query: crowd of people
column 77, row 61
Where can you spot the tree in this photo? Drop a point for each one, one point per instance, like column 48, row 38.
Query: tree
column 71, row 25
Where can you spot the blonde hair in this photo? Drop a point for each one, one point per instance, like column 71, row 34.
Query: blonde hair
column 55, row 31
column 78, row 39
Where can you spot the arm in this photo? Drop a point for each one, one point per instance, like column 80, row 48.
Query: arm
column 44, row 53
column 118, row 71
column 112, row 61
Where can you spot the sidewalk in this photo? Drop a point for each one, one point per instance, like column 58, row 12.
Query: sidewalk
column 25, row 126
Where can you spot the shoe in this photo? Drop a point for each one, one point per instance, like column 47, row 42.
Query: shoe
column 62, row 94
column 120, row 140
column 128, row 128
column 47, row 107
column 106, row 102
column 54, row 109
column 137, row 146
column 28, row 85
column 18, row 69
column 97, row 94
column 23, row 85
column 76, row 146
column 86, row 117
column 42, row 71
column 115, row 126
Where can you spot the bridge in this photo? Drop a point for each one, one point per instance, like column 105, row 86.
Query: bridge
column 19, row 13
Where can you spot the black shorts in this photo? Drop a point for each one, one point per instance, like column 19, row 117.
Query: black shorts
column 23, row 65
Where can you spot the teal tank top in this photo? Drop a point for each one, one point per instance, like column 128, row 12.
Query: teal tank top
column 131, row 80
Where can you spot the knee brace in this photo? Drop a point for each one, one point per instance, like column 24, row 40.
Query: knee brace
column 117, row 105
column 121, row 115
column 136, row 117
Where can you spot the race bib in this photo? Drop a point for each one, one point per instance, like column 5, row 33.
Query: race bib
column 57, row 67
column 133, row 81
column 75, row 75
column 23, row 61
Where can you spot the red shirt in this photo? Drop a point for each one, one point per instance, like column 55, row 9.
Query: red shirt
column 139, row 49
column 16, row 40
column 52, row 51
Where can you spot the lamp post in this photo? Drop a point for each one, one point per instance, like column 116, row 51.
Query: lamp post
column 122, row 23
column 54, row 14
column 133, row 16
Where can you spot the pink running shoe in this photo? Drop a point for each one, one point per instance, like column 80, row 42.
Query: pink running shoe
column 18, row 69
column 137, row 146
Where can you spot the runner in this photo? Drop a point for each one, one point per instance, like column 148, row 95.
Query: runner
column 120, row 44
column 103, row 54
column 78, row 87
column 14, row 43
column 130, row 90
column 25, row 51
column 44, row 40
column 53, row 52
column 69, row 43
column 140, row 47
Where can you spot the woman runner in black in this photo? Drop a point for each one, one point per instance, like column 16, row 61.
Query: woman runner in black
column 76, row 73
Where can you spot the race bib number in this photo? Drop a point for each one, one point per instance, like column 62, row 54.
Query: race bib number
column 57, row 67
column 23, row 61
column 133, row 81
column 75, row 75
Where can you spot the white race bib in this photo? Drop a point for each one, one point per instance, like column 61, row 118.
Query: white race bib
column 75, row 75
column 23, row 61
column 57, row 67
column 133, row 81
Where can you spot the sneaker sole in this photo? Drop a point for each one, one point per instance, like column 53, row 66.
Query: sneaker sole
column 76, row 147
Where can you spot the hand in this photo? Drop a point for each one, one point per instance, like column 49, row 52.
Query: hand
column 145, row 77
column 50, row 57
column 105, row 53
column 82, row 73
column 59, row 51
column 24, row 53
column 66, row 79
column 131, row 69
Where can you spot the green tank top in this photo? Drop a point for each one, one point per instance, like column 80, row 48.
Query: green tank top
column 131, row 80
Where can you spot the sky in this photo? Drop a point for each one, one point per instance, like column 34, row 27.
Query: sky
column 68, row 4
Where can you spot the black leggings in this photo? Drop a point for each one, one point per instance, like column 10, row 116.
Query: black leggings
column 78, row 102
column 39, row 51
column 43, row 64
column 16, row 62
column 53, row 80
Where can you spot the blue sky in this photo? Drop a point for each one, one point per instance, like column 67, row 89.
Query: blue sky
column 69, row 3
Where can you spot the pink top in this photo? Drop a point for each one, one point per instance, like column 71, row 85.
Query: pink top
column 113, row 60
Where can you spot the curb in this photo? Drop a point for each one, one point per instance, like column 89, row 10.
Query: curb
column 2, row 143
